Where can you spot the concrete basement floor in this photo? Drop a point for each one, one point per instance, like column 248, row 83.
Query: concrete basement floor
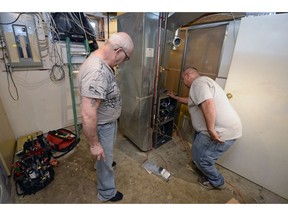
column 75, row 179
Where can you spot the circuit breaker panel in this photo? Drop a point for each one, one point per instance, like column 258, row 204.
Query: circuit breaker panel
column 165, row 120
column 21, row 39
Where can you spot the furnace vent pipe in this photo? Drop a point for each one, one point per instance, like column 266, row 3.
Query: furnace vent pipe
column 176, row 40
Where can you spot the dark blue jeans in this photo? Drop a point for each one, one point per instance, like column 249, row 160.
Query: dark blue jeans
column 205, row 153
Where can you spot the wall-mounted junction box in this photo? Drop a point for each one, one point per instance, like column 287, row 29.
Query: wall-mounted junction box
column 21, row 41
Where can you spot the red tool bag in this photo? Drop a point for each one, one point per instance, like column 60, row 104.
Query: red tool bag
column 62, row 140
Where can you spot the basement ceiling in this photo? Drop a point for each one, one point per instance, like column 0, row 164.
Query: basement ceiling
column 215, row 17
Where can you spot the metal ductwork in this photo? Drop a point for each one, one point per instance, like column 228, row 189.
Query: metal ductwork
column 177, row 20
column 140, row 79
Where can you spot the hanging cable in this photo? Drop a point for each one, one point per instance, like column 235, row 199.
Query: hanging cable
column 9, row 23
column 12, row 21
column 84, row 30
column 57, row 75
column 9, row 72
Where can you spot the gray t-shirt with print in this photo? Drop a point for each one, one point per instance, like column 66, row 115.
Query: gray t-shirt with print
column 97, row 80
column 228, row 124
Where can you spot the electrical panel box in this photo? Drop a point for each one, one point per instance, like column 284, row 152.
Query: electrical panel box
column 165, row 120
column 21, row 40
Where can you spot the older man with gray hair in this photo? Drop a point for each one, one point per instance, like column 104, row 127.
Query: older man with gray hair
column 101, row 107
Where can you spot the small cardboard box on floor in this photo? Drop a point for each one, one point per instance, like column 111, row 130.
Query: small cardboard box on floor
column 232, row 201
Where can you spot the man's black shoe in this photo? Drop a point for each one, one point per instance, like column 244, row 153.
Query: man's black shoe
column 113, row 164
column 117, row 197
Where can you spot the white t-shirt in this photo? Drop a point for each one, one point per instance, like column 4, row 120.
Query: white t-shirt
column 97, row 80
column 227, row 124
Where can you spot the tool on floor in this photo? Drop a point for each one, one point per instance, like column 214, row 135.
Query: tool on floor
column 157, row 170
column 33, row 171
